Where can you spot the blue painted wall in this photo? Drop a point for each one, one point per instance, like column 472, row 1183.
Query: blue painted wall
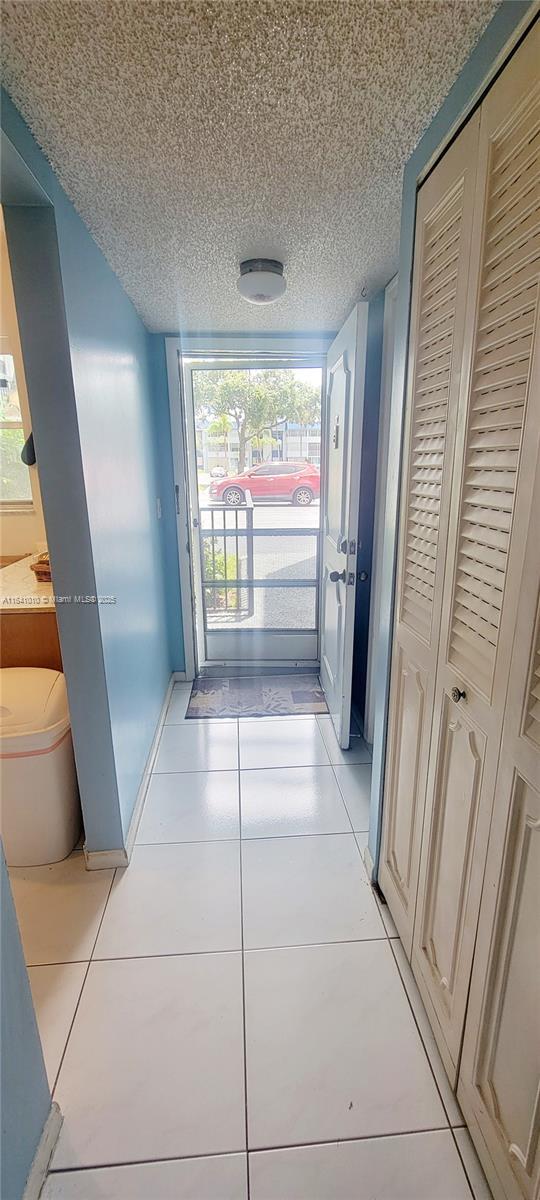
column 115, row 409
column 25, row 1097
column 463, row 95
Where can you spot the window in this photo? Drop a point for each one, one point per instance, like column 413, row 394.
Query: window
column 277, row 468
column 14, row 475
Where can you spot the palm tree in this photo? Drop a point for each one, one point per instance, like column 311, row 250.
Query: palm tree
column 220, row 429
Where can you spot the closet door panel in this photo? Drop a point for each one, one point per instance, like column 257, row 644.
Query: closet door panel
column 443, row 236
column 460, row 761
column 499, row 1085
column 410, row 687
column 497, row 436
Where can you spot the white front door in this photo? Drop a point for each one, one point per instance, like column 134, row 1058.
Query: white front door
column 346, row 362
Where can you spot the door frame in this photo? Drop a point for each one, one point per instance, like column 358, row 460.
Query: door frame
column 353, row 361
column 224, row 351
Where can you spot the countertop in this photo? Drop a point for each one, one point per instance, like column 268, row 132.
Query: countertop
column 20, row 591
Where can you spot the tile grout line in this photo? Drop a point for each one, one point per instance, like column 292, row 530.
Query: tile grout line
column 88, row 964
column 450, row 1126
column 244, row 1034
column 344, row 802
column 461, row 1158
column 203, row 953
column 104, row 1166
column 272, row 767
column 261, row 837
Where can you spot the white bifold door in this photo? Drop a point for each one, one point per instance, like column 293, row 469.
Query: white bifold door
column 440, row 282
column 500, row 1065
column 345, row 367
column 467, row 504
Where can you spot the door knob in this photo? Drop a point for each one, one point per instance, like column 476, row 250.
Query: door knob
column 335, row 576
column 457, row 695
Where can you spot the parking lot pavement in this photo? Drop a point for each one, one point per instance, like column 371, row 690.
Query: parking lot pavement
column 275, row 558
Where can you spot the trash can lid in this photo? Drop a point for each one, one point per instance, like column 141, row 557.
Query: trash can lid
column 32, row 700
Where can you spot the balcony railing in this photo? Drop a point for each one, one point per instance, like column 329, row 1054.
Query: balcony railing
column 257, row 578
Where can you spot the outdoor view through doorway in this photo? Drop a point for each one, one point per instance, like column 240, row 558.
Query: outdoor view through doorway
column 255, row 500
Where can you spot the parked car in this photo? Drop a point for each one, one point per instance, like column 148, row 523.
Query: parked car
column 297, row 482
column 218, row 472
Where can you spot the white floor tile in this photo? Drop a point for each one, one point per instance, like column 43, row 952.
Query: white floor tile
column 219, row 1178
column 191, row 807
column 415, row 1166
column 55, row 992
column 198, row 746
column 59, row 909
column 281, row 743
column 479, row 1184
column 297, row 800
column 455, row 1116
column 176, row 899
column 178, row 703
column 358, row 751
column 332, row 1048
column 306, row 889
column 154, row 1064
column 355, row 785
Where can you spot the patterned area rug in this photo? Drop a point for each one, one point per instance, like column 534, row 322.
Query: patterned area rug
column 268, row 696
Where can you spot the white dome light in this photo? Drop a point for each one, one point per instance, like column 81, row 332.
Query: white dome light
column 261, row 280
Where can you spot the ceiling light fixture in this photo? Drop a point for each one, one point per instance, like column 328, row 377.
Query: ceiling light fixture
column 261, row 280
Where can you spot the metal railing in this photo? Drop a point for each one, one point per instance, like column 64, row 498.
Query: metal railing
column 226, row 572
column 228, row 542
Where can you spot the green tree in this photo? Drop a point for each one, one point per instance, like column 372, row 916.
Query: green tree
column 256, row 401
column 220, row 428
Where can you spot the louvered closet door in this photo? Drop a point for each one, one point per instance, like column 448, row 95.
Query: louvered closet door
column 499, row 1086
column 442, row 252
column 498, row 426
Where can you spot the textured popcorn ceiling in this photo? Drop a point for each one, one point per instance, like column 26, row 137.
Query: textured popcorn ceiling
column 192, row 135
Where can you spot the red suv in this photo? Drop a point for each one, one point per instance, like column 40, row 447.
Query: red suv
column 294, row 481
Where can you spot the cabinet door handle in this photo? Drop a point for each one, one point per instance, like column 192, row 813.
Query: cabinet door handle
column 457, row 695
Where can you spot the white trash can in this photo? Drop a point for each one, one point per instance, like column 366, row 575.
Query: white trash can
column 40, row 811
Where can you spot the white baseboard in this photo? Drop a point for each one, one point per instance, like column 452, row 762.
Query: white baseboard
column 180, row 677
column 44, row 1153
column 98, row 860
column 369, row 864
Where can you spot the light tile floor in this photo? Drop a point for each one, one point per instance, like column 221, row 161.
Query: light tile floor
column 233, row 1016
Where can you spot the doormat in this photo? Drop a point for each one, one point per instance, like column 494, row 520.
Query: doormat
column 268, row 696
